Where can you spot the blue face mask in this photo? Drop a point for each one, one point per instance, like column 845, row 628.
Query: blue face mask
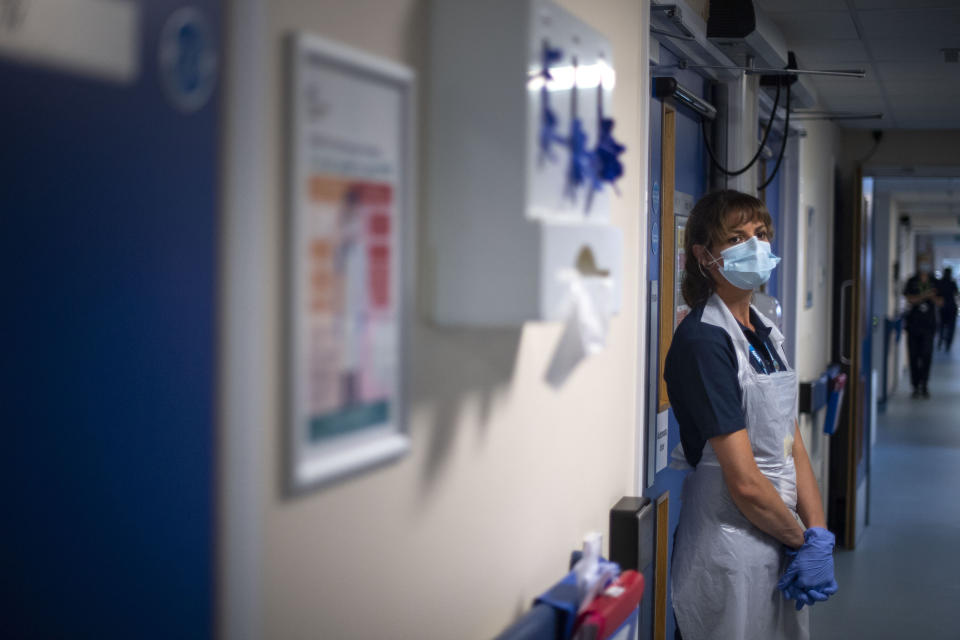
column 747, row 265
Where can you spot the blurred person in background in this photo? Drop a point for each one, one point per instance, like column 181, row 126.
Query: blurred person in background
column 921, row 294
column 947, row 291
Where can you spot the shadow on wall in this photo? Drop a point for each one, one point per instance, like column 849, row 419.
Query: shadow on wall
column 453, row 368
column 448, row 368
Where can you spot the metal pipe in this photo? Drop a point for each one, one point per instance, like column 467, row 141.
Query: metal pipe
column 838, row 116
column 843, row 73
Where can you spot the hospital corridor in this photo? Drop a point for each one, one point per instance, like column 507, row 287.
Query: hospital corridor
column 480, row 319
column 913, row 525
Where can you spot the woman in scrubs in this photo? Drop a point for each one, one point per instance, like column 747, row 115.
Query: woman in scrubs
column 752, row 534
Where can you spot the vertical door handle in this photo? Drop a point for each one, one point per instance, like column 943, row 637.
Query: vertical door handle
column 844, row 358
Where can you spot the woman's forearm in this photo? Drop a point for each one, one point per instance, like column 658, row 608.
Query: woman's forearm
column 765, row 509
column 752, row 492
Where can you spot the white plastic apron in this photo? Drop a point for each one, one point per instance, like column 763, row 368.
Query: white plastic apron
column 724, row 570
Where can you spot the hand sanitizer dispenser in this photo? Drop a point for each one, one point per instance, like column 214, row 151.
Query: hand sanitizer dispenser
column 522, row 163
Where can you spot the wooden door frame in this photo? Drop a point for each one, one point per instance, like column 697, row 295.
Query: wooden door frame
column 668, row 153
column 848, row 442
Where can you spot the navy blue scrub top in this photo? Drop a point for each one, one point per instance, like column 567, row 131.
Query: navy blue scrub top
column 702, row 381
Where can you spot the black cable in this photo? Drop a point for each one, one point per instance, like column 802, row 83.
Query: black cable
column 766, row 134
column 783, row 145
column 877, row 136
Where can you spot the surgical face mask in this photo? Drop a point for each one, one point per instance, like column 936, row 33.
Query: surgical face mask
column 747, row 265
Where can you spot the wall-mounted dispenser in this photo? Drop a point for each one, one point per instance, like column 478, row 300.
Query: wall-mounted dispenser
column 522, row 162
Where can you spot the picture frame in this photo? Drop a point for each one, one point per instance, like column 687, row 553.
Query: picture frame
column 350, row 160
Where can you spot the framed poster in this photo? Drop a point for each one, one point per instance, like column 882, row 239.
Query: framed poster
column 350, row 146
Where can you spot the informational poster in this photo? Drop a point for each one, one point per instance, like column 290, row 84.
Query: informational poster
column 682, row 206
column 680, row 307
column 350, row 144
column 662, row 440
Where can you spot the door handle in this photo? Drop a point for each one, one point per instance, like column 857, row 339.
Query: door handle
column 844, row 358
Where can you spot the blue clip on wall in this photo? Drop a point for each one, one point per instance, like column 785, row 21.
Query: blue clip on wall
column 838, row 383
column 825, row 391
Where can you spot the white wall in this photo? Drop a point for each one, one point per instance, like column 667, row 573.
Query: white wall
column 506, row 474
column 945, row 247
column 898, row 240
column 886, row 289
column 896, row 236
column 907, row 258
column 818, row 152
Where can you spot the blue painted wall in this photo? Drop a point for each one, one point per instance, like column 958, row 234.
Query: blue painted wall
column 107, row 241
column 691, row 177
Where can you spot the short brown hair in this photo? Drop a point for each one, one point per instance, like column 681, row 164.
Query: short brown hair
column 711, row 221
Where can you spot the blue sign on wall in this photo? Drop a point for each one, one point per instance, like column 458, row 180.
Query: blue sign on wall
column 188, row 59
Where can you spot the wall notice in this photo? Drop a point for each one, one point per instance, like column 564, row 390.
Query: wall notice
column 350, row 176
column 663, row 432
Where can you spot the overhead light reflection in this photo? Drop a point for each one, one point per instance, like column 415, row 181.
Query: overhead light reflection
column 586, row 76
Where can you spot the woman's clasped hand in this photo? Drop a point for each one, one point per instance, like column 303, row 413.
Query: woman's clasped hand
column 809, row 575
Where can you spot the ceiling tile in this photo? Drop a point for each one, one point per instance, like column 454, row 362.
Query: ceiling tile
column 932, row 110
column 865, row 124
column 929, row 125
column 873, row 99
column 852, row 105
column 928, row 24
column 927, row 118
column 816, row 25
column 826, row 53
column 915, row 94
column 771, row 7
column 914, row 72
column 910, row 50
column 905, row 4
column 907, row 78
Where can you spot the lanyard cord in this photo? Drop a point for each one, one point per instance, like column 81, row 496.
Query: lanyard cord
column 763, row 365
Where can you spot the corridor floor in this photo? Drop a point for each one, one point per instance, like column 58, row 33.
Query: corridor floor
column 903, row 579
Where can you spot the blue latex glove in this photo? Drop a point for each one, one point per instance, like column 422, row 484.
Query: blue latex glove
column 809, row 576
column 809, row 597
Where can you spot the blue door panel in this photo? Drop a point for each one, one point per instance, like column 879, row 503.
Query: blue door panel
column 108, row 237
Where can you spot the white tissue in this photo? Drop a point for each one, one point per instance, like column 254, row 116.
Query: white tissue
column 588, row 303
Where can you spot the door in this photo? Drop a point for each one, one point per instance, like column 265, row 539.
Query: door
column 108, row 183
column 847, row 503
